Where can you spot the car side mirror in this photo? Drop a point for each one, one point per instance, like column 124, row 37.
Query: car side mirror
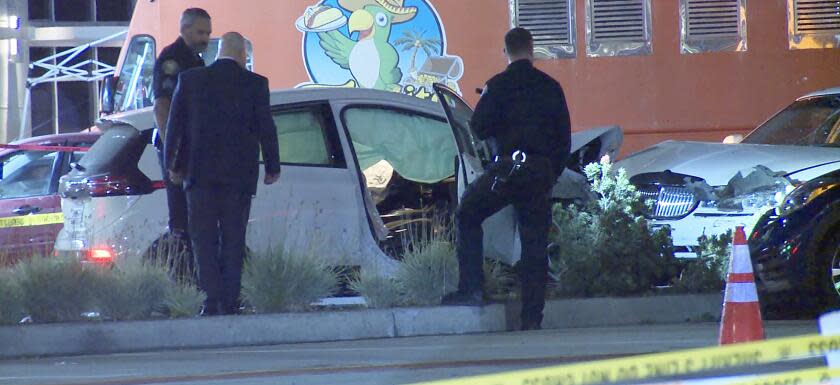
column 106, row 99
column 733, row 139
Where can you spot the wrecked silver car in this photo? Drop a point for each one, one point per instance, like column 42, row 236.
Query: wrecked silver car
column 360, row 167
column 709, row 188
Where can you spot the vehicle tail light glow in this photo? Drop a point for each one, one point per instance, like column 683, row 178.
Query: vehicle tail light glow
column 100, row 255
column 158, row 185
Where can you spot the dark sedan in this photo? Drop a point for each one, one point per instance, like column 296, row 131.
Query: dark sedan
column 796, row 250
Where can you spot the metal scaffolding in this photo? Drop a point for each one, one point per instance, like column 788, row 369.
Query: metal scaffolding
column 90, row 70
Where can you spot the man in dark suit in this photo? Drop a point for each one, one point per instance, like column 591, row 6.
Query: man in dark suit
column 219, row 120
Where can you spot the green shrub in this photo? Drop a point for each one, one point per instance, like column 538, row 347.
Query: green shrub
column 605, row 246
column 131, row 291
column 428, row 272
column 11, row 308
column 183, row 299
column 499, row 279
column 285, row 280
column 378, row 289
column 708, row 272
column 54, row 289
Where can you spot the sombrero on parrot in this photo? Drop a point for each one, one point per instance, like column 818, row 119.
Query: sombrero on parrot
column 400, row 12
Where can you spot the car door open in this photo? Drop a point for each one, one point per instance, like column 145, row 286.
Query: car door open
column 501, row 238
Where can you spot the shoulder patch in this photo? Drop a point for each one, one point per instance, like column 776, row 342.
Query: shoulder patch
column 170, row 67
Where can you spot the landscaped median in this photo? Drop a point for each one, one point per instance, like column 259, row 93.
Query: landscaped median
column 607, row 268
column 265, row 329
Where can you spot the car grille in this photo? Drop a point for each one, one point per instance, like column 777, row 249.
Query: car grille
column 668, row 201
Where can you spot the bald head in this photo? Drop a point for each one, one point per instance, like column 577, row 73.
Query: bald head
column 233, row 46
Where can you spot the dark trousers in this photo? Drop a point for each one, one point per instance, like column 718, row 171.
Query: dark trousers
column 533, row 213
column 176, row 200
column 218, row 218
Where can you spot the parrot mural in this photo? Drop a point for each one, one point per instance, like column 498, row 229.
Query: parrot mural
column 377, row 44
column 372, row 59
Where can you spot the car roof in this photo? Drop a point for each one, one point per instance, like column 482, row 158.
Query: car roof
column 71, row 137
column 351, row 94
column 825, row 92
column 143, row 118
column 53, row 139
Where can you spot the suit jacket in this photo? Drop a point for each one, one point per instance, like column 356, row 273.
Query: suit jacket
column 219, row 119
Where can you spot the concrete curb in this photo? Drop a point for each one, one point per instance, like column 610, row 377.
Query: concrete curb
column 135, row 336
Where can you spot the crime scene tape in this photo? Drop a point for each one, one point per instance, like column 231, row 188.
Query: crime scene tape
column 32, row 220
column 649, row 366
column 798, row 377
column 34, row 147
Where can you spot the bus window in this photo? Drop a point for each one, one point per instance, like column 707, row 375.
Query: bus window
column 134, row 87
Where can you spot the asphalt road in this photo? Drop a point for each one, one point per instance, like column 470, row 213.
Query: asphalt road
column 384, row 361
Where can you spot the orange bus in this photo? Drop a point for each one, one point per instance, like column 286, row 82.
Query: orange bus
column 660, row 69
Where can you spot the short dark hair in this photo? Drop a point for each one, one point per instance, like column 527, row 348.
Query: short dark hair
column 189, row 16
column 518, row 41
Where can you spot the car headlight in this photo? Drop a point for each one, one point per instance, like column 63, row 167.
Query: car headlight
column 804, row 194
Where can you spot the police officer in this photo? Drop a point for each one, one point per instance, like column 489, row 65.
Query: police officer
column 523, row 112
column 181, row 55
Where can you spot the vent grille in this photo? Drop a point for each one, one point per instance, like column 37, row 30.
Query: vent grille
column 669, row 201
column 713, row 18
column 618, row 20
column 817, row 17
column 549, row 21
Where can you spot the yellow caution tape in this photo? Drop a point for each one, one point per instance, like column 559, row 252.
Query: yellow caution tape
column 799, row 377
column 32, row 220
column 669, row 364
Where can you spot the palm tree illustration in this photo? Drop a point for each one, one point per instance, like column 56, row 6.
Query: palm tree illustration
column 415, row 41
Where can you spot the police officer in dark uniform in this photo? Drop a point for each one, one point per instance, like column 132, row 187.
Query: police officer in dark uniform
column 523, row 112
column 174, row 59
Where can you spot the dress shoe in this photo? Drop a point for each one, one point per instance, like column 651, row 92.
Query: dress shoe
column 209, row 310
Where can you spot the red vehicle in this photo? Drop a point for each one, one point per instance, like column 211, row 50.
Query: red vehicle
column 30, row 208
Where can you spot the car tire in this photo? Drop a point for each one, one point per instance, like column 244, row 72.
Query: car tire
column 827, row 256
column 175, row 254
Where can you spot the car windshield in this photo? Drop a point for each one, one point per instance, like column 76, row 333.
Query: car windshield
column 808, row 122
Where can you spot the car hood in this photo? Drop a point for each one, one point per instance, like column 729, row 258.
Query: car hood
column 586, row 147
column 140, row 119
column 717, row 163
column 608, row 140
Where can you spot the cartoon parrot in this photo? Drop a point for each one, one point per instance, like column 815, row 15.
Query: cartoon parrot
column 371, row 59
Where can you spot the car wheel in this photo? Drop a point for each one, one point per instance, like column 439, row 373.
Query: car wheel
column 815, row 284
column 828, row 287
column 175, row 254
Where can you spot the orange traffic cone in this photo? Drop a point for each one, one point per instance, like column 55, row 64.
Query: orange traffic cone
column 741, row 313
